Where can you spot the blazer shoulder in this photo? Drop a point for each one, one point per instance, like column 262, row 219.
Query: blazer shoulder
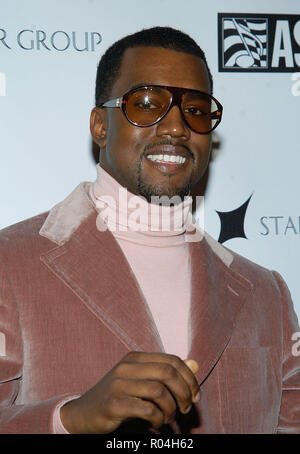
column 22, row 230
column 21, row 242
column 235, row 261
column 29, row 239
column 260, row 276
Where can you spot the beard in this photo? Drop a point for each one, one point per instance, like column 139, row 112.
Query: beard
column 149, row 191
column 167, row 190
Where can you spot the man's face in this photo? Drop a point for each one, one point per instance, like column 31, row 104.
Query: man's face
column 125, row 147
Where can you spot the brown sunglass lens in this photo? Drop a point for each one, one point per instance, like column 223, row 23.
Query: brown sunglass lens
column 147, row 105
column 198, row 110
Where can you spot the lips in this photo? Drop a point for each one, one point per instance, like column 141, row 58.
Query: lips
column 168, row 158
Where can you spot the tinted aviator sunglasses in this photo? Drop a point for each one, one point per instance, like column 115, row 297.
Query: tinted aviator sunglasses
column 146, row 105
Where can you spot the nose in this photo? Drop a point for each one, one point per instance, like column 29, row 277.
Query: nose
column 173, row 125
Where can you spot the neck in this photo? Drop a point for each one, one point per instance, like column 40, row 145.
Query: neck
column 131, row 216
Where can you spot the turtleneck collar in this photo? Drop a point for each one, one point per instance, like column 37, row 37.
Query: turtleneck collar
column 132, row 218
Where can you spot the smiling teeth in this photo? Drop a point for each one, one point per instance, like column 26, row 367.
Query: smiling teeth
column 166, row 158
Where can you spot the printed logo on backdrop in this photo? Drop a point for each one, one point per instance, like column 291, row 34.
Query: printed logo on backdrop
column 279, row 225
column 232, row 222
column 41, row 40
column 258, row 42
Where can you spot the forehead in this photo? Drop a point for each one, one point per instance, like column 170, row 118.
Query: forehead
column 159, row 66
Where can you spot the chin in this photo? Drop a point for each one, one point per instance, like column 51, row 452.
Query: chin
column 149, row 191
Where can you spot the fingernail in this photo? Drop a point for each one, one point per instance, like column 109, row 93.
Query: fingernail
column 192, row 364
column 197, row 397
column 188, row 409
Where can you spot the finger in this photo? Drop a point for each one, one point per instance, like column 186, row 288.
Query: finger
column 151, row 390
column 192, row 364
column 175, row 362
column 128, row 407
column 161, row 372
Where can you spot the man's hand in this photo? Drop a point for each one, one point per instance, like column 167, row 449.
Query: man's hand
column 149, row 386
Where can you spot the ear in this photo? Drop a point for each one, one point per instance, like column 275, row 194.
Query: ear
column 98, row 126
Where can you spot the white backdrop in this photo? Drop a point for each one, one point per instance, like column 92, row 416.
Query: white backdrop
column 47, row 92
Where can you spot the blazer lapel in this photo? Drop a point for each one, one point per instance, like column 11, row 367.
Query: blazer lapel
column 218, row 294
column 93, row 266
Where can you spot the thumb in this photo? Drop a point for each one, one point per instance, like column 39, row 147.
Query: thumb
column 192, row 364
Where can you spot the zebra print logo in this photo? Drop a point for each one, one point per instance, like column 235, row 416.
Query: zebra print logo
column 245, row 43
column 258, row 42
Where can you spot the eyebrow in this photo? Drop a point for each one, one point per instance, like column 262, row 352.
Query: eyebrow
column 142, row 84
column 155, row 87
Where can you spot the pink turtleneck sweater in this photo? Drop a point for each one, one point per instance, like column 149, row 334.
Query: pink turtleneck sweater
column 157, row 252
column 153, row 240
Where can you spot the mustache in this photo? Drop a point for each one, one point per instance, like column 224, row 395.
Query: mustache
column 167, row 142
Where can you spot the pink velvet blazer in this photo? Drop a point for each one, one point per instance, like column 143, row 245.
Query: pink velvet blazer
column 70, row 309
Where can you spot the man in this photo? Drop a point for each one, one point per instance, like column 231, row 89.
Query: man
column 114, row 328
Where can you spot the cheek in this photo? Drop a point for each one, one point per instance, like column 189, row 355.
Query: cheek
column 125, row 144
column 123, row 137
column 203, row 148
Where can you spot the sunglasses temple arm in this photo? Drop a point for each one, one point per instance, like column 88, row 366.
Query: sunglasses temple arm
column 112, row 103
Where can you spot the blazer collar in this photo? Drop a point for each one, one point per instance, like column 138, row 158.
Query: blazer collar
column 93, row 266
column 218, row 295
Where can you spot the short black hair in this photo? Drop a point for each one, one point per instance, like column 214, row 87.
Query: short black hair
column 166, row 37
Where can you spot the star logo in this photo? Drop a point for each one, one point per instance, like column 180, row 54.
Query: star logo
column 232, row 223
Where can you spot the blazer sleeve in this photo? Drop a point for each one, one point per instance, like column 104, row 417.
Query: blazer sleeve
column 289, row 417
column 34, row 418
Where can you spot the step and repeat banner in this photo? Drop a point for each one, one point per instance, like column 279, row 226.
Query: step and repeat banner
column 49, row 51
